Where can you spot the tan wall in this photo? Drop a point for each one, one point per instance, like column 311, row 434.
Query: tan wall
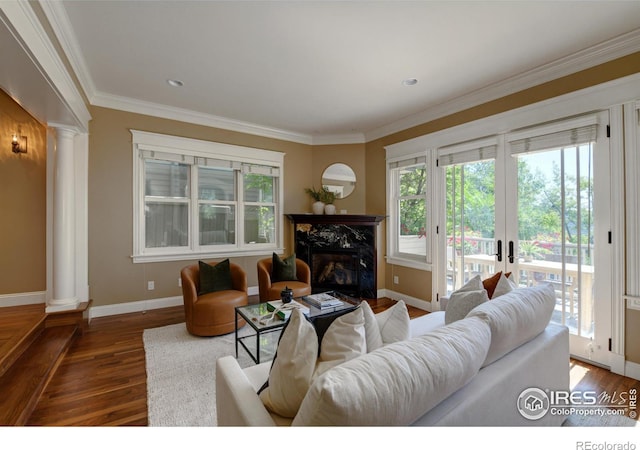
column 23, row 202
column 113, row 277
column 352, row 155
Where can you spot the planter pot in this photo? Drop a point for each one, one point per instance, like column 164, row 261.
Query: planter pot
column 318, row 208
column 329, row 209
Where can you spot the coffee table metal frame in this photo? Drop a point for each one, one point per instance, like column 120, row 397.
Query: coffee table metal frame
column 252, row 314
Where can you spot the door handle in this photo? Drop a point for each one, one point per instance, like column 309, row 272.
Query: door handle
column 499, row 254
column 511, row 255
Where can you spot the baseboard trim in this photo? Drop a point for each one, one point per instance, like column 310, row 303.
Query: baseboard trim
column 144, row 305
column 23, row 298
column 617, row 363
column 412, row 301
column 131, row 307
column 632, row 370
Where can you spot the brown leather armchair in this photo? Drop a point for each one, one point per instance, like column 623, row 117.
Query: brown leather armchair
column 271, row 291
column 212, row 314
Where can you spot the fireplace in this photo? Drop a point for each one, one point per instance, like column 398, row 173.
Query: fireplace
column 340, row 250
column 335, row 270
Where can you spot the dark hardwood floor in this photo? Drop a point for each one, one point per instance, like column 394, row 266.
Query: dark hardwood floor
column 102, row 379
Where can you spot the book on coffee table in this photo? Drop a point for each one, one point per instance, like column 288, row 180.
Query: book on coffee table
column 322, row 300
column 284, row 310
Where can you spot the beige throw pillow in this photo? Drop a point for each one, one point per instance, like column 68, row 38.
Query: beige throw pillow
column 462, row 301
column 371, row 328
column 504, row 286
column 292, row 368
column 393, row 323
column 297, row 363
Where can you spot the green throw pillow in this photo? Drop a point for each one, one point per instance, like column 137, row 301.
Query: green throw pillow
column 215, row 278
column 283, row 269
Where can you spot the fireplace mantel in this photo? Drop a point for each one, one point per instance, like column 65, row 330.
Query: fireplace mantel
column 344, row 219
column 341, row 251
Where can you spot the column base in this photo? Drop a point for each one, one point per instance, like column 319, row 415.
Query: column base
column 66, row 304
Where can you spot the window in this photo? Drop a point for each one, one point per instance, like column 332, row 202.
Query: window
column 196, row 199
column 408, row 239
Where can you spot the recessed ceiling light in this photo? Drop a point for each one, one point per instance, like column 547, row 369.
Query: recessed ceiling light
column 410, row 81
column 175, row 83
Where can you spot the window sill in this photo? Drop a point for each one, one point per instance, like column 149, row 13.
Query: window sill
column 190, row 256
column 409, row 263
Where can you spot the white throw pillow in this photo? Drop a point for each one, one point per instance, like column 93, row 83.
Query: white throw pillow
column 344, row 340
column 474, row 284
column 371, row 328
column 292, row 368
column 394, row 323
column 462, row 302
column 297, row 364
column 516, row 317
column 504, row 286
column 398, row 383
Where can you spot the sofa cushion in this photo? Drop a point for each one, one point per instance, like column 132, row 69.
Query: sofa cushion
column 504, row 286
column 344, row 340
column 490, row 283
column 398, row 383
column 393, row 323
column 371, row 328
column 516, row 318
column 292, row 367
column 214, row 278
column 298, row 361
column 461, row 302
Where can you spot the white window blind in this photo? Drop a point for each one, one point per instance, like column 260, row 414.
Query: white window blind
column 557, row 135
column 408, row 162
column 467, row 152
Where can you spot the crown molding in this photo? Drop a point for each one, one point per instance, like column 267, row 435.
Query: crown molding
column 61, row 25
column 618, row 47
column 185, row 115
column 27, row 29
column 333, row 139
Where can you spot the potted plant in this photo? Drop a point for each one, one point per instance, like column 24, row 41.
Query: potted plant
column 328, row 197
column 530, row 250
column 318, row 204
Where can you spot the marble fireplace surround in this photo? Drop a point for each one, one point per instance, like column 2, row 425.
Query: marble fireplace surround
column 341, row 251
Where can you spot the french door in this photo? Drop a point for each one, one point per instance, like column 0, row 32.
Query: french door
column 535, row 203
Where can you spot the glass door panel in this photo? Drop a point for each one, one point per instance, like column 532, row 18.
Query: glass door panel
column 556, row 230
column 470, row 221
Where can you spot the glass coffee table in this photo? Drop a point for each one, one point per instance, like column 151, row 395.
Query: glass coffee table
column 262, row 344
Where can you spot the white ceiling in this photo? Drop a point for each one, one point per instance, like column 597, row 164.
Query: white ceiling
column 325, row 71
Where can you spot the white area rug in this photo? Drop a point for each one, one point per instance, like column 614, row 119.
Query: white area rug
column 181, row 370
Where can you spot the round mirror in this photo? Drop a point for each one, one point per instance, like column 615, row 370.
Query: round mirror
column 339, row 178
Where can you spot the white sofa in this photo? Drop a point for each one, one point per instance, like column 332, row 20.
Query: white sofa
column 468, row 373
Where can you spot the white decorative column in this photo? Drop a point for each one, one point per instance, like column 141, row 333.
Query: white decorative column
column 64, row 219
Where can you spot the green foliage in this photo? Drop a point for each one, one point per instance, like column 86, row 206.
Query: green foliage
column 413, row 182
column 323, row 195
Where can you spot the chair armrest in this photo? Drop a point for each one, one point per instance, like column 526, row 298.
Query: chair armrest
column 264, row 277
column 189, row 288
column 237, row 402
column 238, row 278
column 303, row 272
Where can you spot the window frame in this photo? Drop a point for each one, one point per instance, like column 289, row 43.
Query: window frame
column 394, row 166
column 195, row 152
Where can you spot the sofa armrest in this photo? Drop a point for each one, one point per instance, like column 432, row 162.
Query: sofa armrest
column 237, row 402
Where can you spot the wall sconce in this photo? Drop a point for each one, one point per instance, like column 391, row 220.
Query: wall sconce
column 19, row 144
